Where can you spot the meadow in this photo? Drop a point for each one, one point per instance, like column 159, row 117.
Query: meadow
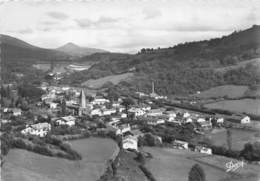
column 23, row 165
column 174, row 165
column 248, row 106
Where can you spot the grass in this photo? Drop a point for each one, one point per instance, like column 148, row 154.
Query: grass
column 174, row 165
column 248, row 106
column 115, row 79
column 239, row 137
column 229, row 91
column 23, row 165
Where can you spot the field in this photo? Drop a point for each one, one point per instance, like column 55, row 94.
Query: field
column 115, row 79
column 228, row 91
column 255, row 62
column 23, row 165
column 239, row 137
column 174, row 165
column 249, row 106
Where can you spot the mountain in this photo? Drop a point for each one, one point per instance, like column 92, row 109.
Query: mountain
column 75, row 50
column 13, row 49
column 184, row 68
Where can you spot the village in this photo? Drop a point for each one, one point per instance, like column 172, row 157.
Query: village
column 68, row 113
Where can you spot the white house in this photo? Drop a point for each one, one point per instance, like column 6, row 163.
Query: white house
column 14, row 111
column 155, row 121
column 53, row 105
column 155, row 112
column 99, row 101
column 130, row 142
column 40, row 129
column 200, row 120
column 202, row 149
column 245, row 120
column 67, row 120
column 123, row 129
column 186, row 115
column 180, row 144
column 136, row 111
column 97, row 112
column 220, row 120
column 123, row 115
column 109, row 111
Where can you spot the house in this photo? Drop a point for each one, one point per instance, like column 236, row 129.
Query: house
column 220, row 121
column 136, row 111
column 96, row 112
column 67, row 120
column 14, row 111
column 154, row 122
column 200, row 120
column 123, row 129
column 245, row 120
column 205, row 125
column 242, row 119
column 180, row 145
column 203, row 149
column 100, row 101
column 40, row 129
column 123, row 115
column 130, row 142
column 186, row 115
column 52, row 105
column 155, row 112
column 109, row 111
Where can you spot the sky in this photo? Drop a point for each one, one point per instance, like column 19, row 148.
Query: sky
column 124, row 25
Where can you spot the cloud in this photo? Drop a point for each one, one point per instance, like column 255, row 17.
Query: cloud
column 26, row 31
column 101, row 22
column 57, row 15
column 150, row 13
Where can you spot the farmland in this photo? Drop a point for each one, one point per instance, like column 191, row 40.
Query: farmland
column 249, row 106
column 172, row 164
column 239, row 137
column 27, row 166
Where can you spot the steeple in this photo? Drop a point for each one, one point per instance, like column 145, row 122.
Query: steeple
column 153, row 88
column 82, row 99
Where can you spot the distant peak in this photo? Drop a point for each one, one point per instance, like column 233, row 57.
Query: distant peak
column 70, row 44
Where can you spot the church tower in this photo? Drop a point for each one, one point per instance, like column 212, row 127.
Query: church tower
column 82, row 99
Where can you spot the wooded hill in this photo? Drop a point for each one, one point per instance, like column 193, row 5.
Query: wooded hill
column 184, row 68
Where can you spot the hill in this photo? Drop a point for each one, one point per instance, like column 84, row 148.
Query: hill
column 77, row 51
column 13, row 49
column 183, row 68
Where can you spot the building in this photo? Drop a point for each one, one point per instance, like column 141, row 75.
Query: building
column 180, row 145
column 67, row 120
column 154, row 122
column 203, row 149
column 96, row 112
column 99, row 101
column 242, row 119
column 205, row 125
column 40, row 129
column 109, row 111
column 14, row 111
column 137, row 111
column 82, row 99
column 155, row 112
column 123, row 129
column 130, row 142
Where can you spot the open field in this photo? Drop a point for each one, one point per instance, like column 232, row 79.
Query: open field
column 229, row 91
column 250, row 106
column 115, row 79
column 174, row 165
column 255, row 62
column 23, row 165
column 239, row 137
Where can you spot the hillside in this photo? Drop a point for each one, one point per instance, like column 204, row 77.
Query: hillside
column 13, row 49
column 184, row 68
column 77, row 51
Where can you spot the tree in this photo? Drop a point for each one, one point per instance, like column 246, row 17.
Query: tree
column 127, row 102
column 63, row 107
column 196, row 173
column 229, row 139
